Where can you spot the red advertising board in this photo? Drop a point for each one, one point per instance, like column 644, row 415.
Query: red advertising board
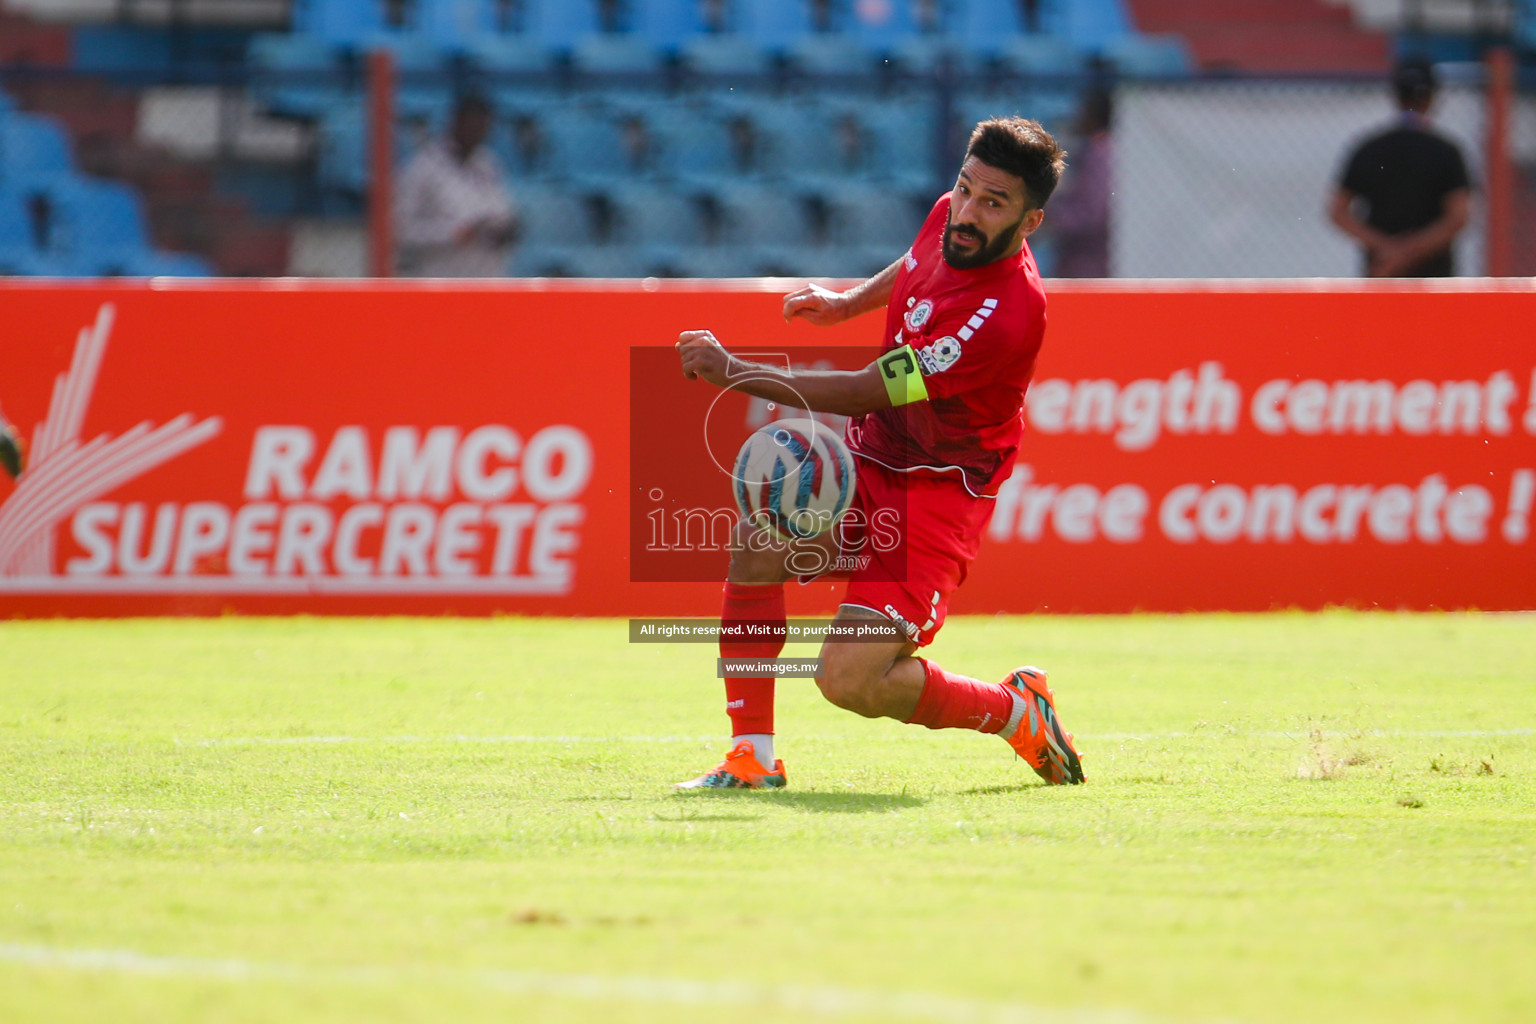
column 416, row 448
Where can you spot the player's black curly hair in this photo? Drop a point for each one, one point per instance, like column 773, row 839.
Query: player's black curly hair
column 1022, row 148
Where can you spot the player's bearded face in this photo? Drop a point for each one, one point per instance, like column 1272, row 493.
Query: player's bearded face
column 966, row 245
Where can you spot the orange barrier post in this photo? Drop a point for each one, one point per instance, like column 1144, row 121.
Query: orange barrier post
column 381, row 154
column 1501, row 178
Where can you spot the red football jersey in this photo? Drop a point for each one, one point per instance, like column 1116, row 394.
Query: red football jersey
column 976, row 333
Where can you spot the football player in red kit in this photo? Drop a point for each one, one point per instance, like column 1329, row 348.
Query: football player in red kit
column 935, row 424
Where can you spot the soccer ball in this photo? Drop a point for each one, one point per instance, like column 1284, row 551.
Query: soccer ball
column 794, row 477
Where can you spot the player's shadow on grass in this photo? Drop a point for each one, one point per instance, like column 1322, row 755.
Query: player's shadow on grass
column 848, row 803
column 1012, row 789
column 685, row 817
column 822, row 803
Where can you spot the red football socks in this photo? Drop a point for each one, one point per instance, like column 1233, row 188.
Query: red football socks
column 749, row 700
column 951, row 701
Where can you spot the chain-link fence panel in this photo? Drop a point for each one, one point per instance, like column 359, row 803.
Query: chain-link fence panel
column 1522, row 148
column 1232, row 178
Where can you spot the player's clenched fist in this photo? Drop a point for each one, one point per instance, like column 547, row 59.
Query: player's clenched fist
column 703, row 357
column 817, row 305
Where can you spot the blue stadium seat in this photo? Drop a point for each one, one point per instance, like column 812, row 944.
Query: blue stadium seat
column 983, row 26
column 508, row 54
column 755, row 215
column 723, row 261
column 585, row 146
column 830, row 53
column 341, row 144
column 773, row 24
column 105, row 49
column 455, row 24
column 901, row 138
column 1089, row 24
column 650, row 215
column 925, row 54
column 666, row 23
column 415, row 53
column 971, row 107
column 604, row 261
column 1043, row 247
column 558, row 24
column 1041, row 55
column 295, row 75
column 423, row 88
column 33, row 150
column 339, row 22
column 855, row 262
column 864, row 214
column 696, row 148
column 726, row 54
column 1150, row 56
column 1054, row 105
column 607, row 53
column 881, row 26
column 19, row 254
column 103, row 232
column 551, row 216
column 796, row 140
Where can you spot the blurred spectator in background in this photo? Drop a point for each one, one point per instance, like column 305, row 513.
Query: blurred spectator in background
column 744, row 144
column 929, row 16
column 12, row 454
column 1078, row 223
column 611, row 15
column 639, row 149
column 1029, row 15
column 849, row 146
column 530, row 150
column 453, row 214
column 714, row 15
column 1405, row 194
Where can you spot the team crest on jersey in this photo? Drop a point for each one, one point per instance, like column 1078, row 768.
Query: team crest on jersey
column 939, row 356
column 919, row 315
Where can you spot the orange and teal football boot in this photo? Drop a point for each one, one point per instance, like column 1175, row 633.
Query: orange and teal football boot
column 1040, row 739
column 739, row 770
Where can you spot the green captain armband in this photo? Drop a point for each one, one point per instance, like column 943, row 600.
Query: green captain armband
column 902, row 377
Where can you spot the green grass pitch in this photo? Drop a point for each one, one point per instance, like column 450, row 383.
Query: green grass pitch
column 1288, row 818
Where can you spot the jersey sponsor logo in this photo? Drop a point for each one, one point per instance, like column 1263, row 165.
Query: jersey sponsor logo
column 939, row 356
column 919, row 315
column 909, row 628
column 910, row 261
column 912, row 629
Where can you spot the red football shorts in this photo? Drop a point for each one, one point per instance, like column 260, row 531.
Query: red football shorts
column 907, row 542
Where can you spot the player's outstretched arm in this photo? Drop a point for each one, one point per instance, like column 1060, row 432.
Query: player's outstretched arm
column 824, row 307
column 844, row 392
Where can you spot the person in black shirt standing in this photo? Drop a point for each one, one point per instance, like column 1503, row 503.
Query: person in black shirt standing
column 1405, row 195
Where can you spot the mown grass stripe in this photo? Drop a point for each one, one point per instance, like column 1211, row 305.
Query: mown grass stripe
column 820, row 1001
